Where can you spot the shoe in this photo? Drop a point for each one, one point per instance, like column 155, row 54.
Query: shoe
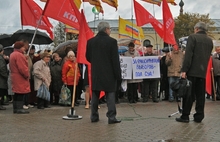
column 75, row 104
column 87, row 107
column 80, row 99
column 182, row 120
column 40, row 107
column 114, row 121
column 197, row 121
column 25, row 107
column 145, row 100
column 155, row 101
column 22, row 111
column 96, row 120
column 2, row 108
column 47, row 107
column 171, row 100
column 30, row 106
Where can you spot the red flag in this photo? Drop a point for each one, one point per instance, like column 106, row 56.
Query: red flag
column 30, row 15
column 208, row 86
column 168, row 24
column 144, row 17
column 62, row 11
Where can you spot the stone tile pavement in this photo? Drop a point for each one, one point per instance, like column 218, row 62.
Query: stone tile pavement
column 141, row 122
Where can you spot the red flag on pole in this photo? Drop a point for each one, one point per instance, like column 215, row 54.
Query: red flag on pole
column 62, row 11
column 30, row 15
column 209, row 77
column 144, row 17
column 168, row 24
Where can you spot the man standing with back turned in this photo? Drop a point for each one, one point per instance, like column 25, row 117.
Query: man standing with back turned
column 198, row 50
column 102, row 53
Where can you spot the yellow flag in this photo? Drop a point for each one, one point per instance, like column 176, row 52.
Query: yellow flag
column 97, row 4
column 78, row 3
column 129, row 29
column 113, row 3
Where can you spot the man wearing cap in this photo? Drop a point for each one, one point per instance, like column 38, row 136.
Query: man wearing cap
column 174, row 60
column 216, row 68
column 150, row 86
column 198, row 50
column 3, row 78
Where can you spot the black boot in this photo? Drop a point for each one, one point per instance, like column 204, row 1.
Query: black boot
column 40, row 103
column 20, row 109
column 14, row 106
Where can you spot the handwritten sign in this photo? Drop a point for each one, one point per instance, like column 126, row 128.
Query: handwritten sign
column 126, row 67
column 146, row 67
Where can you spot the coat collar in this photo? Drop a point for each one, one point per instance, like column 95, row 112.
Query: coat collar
column 102, row 34
column 201, row 32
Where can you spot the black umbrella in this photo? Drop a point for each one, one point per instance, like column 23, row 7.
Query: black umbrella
column 8, row 50
column 5, row 40
column 61, row 48
column 40, row 37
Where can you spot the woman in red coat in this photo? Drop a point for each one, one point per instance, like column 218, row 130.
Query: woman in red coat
column 68, row 73
column 19, row 76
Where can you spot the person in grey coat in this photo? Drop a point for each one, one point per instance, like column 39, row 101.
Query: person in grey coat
column 198, row 50
column 102, row 53
column 3, row 77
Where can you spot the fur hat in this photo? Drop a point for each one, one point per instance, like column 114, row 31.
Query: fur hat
column 45, row 54
column 18, row 44
column 149, row 46
column 70, row 53
column 1, row 48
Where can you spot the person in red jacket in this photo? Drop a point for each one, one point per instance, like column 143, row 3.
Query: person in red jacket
column 68, row 73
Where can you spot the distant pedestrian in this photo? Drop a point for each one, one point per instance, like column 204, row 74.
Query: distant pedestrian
column 102, row 53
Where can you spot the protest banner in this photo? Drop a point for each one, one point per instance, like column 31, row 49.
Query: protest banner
column 126, row 67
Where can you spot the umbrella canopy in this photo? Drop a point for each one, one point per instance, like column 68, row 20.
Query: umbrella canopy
column 8, row 50
column 61, row 48
column 124, row 41
column 122, row 49
column 5, row 40
column 40, row 37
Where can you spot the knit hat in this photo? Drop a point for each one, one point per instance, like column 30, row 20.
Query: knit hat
column 70, row 53
column 18, row 44
column 1, row 48
column 45, row 54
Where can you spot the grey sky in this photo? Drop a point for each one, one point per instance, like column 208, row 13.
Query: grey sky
column 10, row 11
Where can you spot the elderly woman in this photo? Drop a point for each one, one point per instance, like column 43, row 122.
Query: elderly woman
column 19, row 76
column 41, row 72
column 68, row 73
column 56, row 74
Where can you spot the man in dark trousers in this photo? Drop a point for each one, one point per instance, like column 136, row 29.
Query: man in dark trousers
column 198, row 50
column 102, row 53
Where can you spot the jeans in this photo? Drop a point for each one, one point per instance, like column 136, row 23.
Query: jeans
column 172, row 79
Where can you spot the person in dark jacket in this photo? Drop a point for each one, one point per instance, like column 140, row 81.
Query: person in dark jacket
column 56, row 77
column 3, row 77
column 198, row 49
column 102, row 53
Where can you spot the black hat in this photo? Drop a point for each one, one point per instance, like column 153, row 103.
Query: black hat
column 166, row 49
column 149, row 46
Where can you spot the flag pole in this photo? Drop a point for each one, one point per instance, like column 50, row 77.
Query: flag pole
column 155, row 31
column 35, row 32
column 132, row 17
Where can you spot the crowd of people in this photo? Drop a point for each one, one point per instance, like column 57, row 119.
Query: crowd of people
column 22, row 74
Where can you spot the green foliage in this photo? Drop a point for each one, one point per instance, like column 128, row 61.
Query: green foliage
column 184, row 24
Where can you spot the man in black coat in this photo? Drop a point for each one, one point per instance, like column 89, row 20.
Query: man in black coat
column 102, row 53
column 198, row 50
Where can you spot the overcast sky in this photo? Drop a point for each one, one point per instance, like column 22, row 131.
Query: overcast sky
column 10, row 11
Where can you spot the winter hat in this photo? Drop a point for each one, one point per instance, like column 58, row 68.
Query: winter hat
column 18, row 44
column 45, row 54
column 70, row 53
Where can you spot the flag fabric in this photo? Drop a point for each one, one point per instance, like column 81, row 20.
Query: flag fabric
column 158, row 2
column 97, row 4
column 30, row 15
column 129, row 29
column 209, row 84
column 144, row 17
column 77, row 2
column 113, row 3
column 168, row 24
column 61, row 11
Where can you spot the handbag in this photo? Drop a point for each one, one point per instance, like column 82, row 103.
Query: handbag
column 182, row 87
column 43, row 92
column 65, row 96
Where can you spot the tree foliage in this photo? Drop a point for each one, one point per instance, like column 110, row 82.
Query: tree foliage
column 184, row 24
column 59, row 34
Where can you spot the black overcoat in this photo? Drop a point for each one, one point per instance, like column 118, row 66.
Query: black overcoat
column 198, row 50
column 102, row 53
column 3, row 73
